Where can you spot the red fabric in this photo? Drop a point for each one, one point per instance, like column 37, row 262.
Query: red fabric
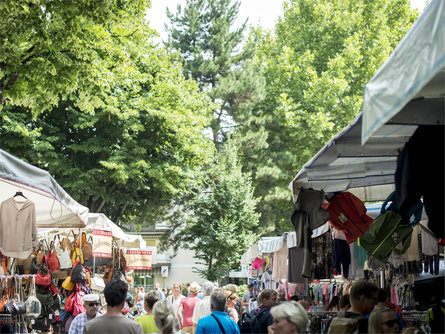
column 41, row 279
column 348, row 213
column 257, row 263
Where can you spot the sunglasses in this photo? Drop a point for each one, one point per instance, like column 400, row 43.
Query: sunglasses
column 93, row 304
column 391, row 323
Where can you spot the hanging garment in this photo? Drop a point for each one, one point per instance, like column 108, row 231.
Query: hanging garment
column 412, row 253
column 279, row 266
column 18, row 228
column 420, row 171
column 341, row 257
column 429, row 241
column 295, row 268
column 348, row 213
column 257, row 263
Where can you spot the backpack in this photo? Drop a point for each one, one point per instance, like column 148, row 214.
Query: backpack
column 249, row 323
column 340, row 325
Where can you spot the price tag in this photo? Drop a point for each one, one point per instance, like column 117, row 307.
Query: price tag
column 56, row 312
column 50, row 316
column 33, row 321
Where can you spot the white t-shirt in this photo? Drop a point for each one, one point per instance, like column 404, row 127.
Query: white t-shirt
column 175, row 303
column 269, row 283
column 202, row 309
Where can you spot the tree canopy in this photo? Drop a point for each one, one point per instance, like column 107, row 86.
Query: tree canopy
column 130, row 152
column 218, row 218
column 315, row 64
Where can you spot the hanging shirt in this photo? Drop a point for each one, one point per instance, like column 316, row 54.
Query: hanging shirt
column 269, row 283
column 279, row 270
column 18, row 228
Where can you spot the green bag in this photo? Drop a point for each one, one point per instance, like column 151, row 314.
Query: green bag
column 45, row 298
column 385, row 235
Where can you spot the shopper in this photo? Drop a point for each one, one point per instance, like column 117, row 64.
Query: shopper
column 363, row 297
column 164, row 317
column 231, row 304
column 382, row 302
column 91, row 304
column 113, row 322
column 383, row 320
column 281, row 294
column 267, row 299
column 186, row 308
column 202, row 308
column 246, row 298
column 289, row 318
column 175, row 299
column 218, row 321
column 157, row 288
column 344, row 304
column 147, row 320
column 333, row 304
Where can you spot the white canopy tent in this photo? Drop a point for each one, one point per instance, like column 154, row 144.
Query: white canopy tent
column 407, row 91
column 54, row 207
column 100, row 221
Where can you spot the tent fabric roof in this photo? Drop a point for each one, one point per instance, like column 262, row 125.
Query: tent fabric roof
column 101, row 221
column 412, row 79
column 54, row 207
column 407, row 91
column 270, row 245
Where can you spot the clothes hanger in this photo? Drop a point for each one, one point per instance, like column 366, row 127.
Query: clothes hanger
column 19, row 193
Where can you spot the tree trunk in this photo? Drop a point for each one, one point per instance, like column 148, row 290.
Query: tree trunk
column 119, row 216
column 101, row 205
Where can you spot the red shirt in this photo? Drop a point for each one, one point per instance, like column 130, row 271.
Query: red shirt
column 188, row 305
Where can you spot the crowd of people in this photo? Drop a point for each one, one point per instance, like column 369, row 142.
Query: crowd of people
column 212, row 309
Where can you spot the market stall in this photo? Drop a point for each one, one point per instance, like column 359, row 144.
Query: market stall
column 30, row 199
column 395, row 145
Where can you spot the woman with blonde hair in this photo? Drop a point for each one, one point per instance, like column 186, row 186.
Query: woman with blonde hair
column 175, row 299
column 164, row 317
column 289, row 318
column 383, row 320
column 231, row 303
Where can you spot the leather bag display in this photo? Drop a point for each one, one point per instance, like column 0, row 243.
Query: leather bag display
column 53, row 260
column 78, row 273
column 43, row 274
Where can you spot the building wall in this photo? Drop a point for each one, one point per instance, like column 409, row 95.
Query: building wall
column 180, row 269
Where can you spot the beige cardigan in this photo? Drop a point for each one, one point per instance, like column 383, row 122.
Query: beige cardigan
column 18, row 228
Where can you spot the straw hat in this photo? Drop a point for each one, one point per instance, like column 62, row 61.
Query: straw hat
column 194, row 287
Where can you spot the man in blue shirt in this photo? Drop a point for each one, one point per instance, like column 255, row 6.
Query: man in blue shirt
column 91, row 304
column 218, row 321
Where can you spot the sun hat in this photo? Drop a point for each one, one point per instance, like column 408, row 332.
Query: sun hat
column 194, row 287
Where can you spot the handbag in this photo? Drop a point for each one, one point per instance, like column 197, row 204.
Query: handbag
column 53, row 260
column 88, row 249
column 63, row 253
column 43, row 274
column 67, row 284
column 97, row 283
column 15, row 307
column 33, row 305
column 34, row 266
column 44, row 296
column 78, row 273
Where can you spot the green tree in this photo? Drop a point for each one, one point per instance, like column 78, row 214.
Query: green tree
column 130, row 154
column 210, row 48
column 217, row 222
column 53, row 50
column 315, row 65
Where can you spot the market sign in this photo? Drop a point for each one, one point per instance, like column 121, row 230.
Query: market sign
column 138, row 259
column 102, row 243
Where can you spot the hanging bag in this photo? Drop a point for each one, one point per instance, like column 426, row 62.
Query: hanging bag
column 5, row 294
column 78, row 273
column 67, row 284
column 87, row 249
column 63, row 253
column 43, row 274
column 33, row 305
column 53, row 260
column 44, row 295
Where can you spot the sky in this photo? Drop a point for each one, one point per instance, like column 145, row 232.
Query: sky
column 263, row 12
